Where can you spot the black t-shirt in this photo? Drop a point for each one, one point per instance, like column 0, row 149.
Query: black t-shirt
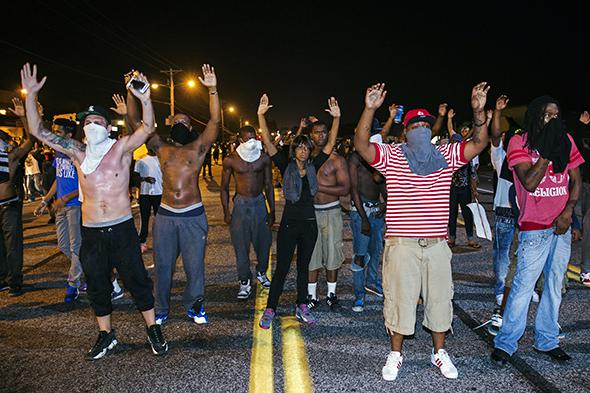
column 302, row 209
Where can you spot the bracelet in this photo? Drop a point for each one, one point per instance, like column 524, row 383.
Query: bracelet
column 212, row 93
column 479, row 125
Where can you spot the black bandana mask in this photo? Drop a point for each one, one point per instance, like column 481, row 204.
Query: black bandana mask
column 180, row 133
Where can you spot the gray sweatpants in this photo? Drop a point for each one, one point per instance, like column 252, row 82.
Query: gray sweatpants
column 585, row 265
column 174, row 236
column 248, row 225
column 69, row 239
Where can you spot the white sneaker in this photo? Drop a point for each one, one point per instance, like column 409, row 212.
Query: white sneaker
column 585, row 278
column 535, row 297
column 392, row 366
column 442, row 360
column 245, row 289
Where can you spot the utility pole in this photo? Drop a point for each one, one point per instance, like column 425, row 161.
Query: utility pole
column 170, row 72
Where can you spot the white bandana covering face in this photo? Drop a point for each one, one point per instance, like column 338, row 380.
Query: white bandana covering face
column 250, row 151
column 98, row 145
column 376, row 139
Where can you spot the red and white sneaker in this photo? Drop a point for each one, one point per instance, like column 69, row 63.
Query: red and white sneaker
column 392, row 366
column 442, row 360
column 585, row 279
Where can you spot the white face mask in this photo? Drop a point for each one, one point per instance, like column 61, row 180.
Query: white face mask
column 250, row 150
column 95, row 133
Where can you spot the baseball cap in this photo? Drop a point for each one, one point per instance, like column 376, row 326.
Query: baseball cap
column 67, row 124
column 376, row 126
column 94, row 110
column 416, row 115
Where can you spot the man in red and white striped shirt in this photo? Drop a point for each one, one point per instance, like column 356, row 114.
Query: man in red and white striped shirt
column 416, row 258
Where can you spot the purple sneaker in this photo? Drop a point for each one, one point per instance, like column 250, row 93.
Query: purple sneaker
column 303, row 314
column 267, row 317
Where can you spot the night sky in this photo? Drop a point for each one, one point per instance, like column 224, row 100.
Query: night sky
column 301, row 54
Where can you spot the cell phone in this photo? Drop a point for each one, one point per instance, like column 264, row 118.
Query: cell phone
column 399, row 114
column 132, row 81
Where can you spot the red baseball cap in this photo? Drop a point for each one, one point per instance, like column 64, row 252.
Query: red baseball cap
column 416, row 115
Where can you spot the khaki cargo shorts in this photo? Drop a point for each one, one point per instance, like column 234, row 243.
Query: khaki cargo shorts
column 328, row 250
column 412, row 268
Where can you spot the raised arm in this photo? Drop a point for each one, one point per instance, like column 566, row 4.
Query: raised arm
column 393, row 108
column 374, row 98
column 148, row 126
column 450, row 126
column 269, row 192
column 224, row 188
column 334, row 111
column 25, row 147
column 133, row 112
column 209, row 136
column 120, row 109
column 263, row 107
column 65, row 145
column 501, row 104
column 442, row 111
column 479, row 139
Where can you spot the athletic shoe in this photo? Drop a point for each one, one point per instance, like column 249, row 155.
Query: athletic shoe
column 161, row 318
column 442, row 360
column 245, row 289
column 199, row 317
column 374, row 291
column 561, row 333
column 585, row 279
column 359, row 305
column 535, row 297
column 311, row 302
column 392, row 366
column 500, row 357
column 303, row 314
column 83, row 288
column 332, row 301
column 261, row 277
column 495, row 322
column 117, row 295
column 15, row 291
column 266, row 319
column 157, row 340
column 4, row 286
column 105, row 342
column 71, row 294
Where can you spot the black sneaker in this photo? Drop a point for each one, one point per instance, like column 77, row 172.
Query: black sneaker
column 105, row 342
column 157, row 340
column 556, row 354
column 311, row 303
column 15, row 291
column 4, row 286
column 332, row 301
column 499, row 357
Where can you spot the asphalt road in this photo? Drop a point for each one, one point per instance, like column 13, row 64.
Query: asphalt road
column 43, row 340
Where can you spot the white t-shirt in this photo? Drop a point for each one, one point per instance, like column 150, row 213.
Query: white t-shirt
column 31, row 166
column 149, row 166
column 497, row 157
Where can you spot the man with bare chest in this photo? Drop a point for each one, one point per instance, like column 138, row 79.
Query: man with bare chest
column 250, row 221
column 367, row 222
column 180, row 226
column 109, row 237
column 333, row 182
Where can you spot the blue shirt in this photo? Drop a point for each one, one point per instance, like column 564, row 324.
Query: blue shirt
column 66, row 177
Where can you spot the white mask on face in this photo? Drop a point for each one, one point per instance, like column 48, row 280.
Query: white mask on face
column 250, row 150
column 98, row 144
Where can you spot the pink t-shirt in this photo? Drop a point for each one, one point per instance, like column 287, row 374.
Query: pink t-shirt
column 539, row 209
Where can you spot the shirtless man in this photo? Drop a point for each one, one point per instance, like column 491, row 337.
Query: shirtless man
column 333, row 182
column 250, row 221
column 180, row 227
column 11, row 223
column 367, row 222
column 109, row 237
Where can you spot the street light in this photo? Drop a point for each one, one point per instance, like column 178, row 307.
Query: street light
column 171, row 85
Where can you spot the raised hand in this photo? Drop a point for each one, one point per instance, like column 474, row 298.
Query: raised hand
column 209, row 80
column 141, row 96
column 375, row 96
column 451, row 113
column 479, row 95
column 502, row 102
column 393, row 108
column 442, row 109
column 312, row 119
column 333, row 108
column 19, row 108
column 29, row 80
column 120, row 105
column 263, row 107
column 585, row 117
column 489, row 114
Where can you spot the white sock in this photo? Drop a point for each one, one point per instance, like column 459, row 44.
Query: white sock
column 312, row 290
column 116, row 286
column 331, row 288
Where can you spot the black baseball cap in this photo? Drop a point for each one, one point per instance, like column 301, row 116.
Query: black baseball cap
column 94, row 110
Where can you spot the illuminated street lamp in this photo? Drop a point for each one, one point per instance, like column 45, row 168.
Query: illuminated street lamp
column 171, row 85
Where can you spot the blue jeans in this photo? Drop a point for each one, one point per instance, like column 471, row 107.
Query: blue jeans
column 369, row 246
column 503, row 234
column 538, row 251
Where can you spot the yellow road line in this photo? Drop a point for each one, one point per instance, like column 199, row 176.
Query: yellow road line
column 261, row 367
column 295, row 366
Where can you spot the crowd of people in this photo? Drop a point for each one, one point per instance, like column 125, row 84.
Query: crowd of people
column 404, row 208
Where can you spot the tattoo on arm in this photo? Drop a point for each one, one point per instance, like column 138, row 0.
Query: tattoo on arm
column 67, row 143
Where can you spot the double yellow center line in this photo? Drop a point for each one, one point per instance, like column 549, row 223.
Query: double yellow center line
column 295, row 365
